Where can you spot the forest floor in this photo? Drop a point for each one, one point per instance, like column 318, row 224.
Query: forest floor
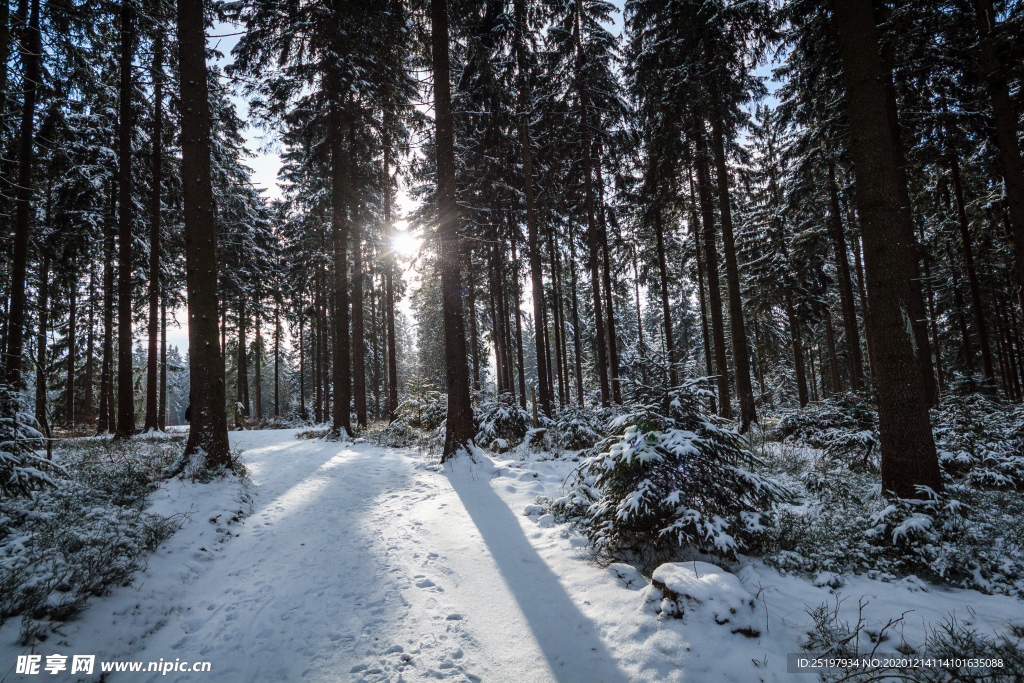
column 365, row 563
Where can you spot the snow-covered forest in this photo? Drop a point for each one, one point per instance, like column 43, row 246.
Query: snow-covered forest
column 572, row 339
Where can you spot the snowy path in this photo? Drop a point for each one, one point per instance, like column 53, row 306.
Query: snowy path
column 361, row 563
column 358, row 562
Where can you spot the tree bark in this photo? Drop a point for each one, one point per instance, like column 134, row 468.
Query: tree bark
column 908, row 451
column 714, row 287
column 833, row 361
column 936, row 346
column 107, row 420
column 519, row 327
column 556, row 315
column 31, row 55
column 318, row 414
column 277, row 360
column 152, row 407
column 613, row 345
column 302, row 365
column 474, row 328
column 533, row 242
column 911, row 254
column 243, row 365
column 392, row 353
column 666, row 306
column 43, row 306
column 854, row 360
column 797, row 343
column 162, row 410
column 697, row 249
column 1005, row 120
column 257, row 375
column 967, row 348
column 737, row 329
column 208, row 434
column 72, row 340
column 576, row 342
column 125, row 126
column 358, row 329
column 90, row 349
column 340, row 227
column 977, row 307
column 459, row 428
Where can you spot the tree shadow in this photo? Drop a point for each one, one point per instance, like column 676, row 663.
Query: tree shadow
column 569, row 640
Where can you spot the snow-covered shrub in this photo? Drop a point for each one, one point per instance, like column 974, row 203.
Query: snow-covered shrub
column 425, row 410
column 21, row 469
column 314, row 431
column 841, row 522
column 578, row 428
column 980, row 441
column 780, row 388
column 664, row 482
column 952, row 643
column 501, row 422
column 395, row 435
column 845, row 427
column 63, row 544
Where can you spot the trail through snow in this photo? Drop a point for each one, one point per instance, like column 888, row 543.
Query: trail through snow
column 361, row 563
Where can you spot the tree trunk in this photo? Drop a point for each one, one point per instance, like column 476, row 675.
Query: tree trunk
column 908, row 451
column 937, row 348
column 43, row 306
column 1005, row 120
column 613, row 350
column 967, row 349
column 152, row 407
column 556, row 315
column 576, row 342
column 162, row 410
column 697, row 249
column 302, row 366
column 318, row 413
column 72, row 343
column 358, row 329
column 666, row 306
column 758, row 355
column 854, row 360
column 740, row 355
column 641, row 346
column 474, row 330
column 392, row 353
column 277, row 360
column 257, row 375
column 459, row 428
column 340, row 227
column 519, row 328
column 533, row 242
column 90, row 350
column 797, row 344
column 125, row 126
column 977, row 307
column 107, row 421
column 714, row 287
column 208, row 434
column 595, row 261
column 31, row 55
column 243, row 360
column 833, row 361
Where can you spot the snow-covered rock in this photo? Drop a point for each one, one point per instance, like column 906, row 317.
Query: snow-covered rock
column 700, row 586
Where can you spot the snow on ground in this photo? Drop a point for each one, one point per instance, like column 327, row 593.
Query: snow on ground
column 360, row 563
